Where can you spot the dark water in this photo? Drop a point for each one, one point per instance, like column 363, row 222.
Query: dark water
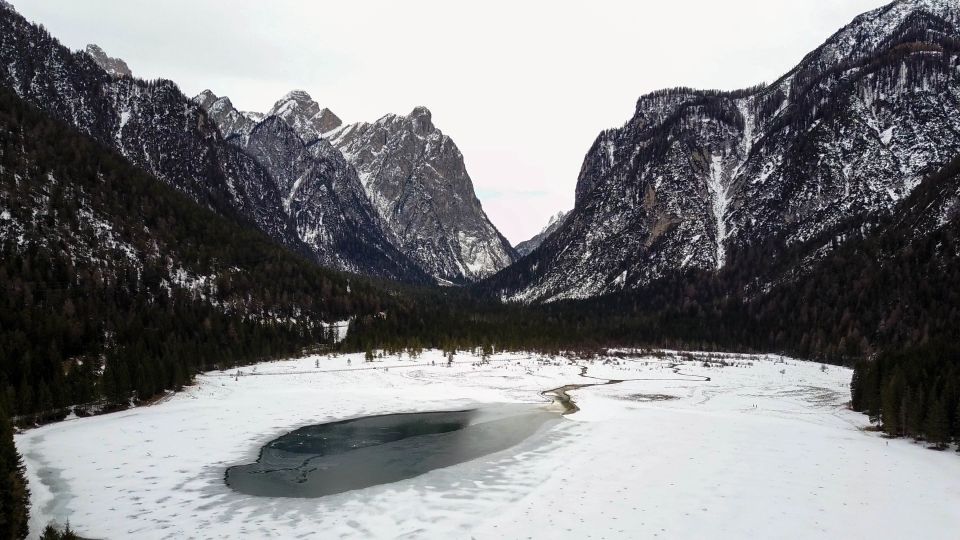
column 325, row 459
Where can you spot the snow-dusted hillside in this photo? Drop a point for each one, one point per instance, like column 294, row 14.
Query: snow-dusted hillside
column 694, row 175
column 765, row 448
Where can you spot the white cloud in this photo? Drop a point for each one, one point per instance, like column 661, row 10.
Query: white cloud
column 522, row 87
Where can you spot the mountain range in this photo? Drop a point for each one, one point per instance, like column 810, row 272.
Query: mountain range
column 413, row 177
column 693, row 179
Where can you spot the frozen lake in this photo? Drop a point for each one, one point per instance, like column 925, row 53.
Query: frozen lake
column 765, row 448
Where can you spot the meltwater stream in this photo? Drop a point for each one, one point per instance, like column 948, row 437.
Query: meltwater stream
column 325, row 459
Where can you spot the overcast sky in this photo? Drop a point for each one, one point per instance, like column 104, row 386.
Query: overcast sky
column 523, row 87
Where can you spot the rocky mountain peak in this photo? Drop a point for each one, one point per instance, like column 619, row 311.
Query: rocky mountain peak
column 422, row 120
column 232, row 123
column 526, row 247
column 416, row 178
column 113, row 66
column 205, row 98
column 305, row 115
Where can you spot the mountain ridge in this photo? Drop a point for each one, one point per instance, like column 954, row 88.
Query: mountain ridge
column 693, row 174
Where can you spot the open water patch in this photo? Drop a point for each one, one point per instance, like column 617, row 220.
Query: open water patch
column 334, row 457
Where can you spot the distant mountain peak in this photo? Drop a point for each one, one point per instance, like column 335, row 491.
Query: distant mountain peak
column 422, row 120
column 305, row 115
column 113, row 66
column 416, row 178
column 297, row 95
column 526, row 247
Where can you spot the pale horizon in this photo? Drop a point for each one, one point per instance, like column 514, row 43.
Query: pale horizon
column 523, row 111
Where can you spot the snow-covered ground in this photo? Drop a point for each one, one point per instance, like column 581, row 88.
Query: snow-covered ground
column 765, row 449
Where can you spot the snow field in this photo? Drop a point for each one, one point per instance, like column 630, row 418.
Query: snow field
column 766, row 448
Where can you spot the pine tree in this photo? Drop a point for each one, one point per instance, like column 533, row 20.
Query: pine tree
column 957, row 417
column 890, row 408
column 14, row 495
column 937, row 428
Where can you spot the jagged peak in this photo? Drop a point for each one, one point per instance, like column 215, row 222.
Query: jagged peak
column 224, row 103
column 422, row 120
column 205, row 99
column 420, row 111
column 113, row 66
column 296, row 95
column 4, row 3
column 556, row 217
column 295, row 100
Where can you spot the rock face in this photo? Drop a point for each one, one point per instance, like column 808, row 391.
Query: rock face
column 527, row 246
column 113, row 66
column 696, row 175
column 157, row 128
column 416, row 179
column 323, row 196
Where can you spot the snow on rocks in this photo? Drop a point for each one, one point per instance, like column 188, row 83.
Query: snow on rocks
column 765, row 448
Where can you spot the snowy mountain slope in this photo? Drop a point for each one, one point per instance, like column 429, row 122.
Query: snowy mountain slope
column 416, row 178
column 694, row 174
column 158, row 129
column 150, row 123
column 88, row 230
column 527, row 246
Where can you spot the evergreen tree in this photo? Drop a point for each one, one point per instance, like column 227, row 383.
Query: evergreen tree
column 957, row 427
column 14, row 495
column 937, row 428
column 891, row 398
column 52, row 533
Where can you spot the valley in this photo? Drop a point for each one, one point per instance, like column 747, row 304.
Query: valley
column 223, row 318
